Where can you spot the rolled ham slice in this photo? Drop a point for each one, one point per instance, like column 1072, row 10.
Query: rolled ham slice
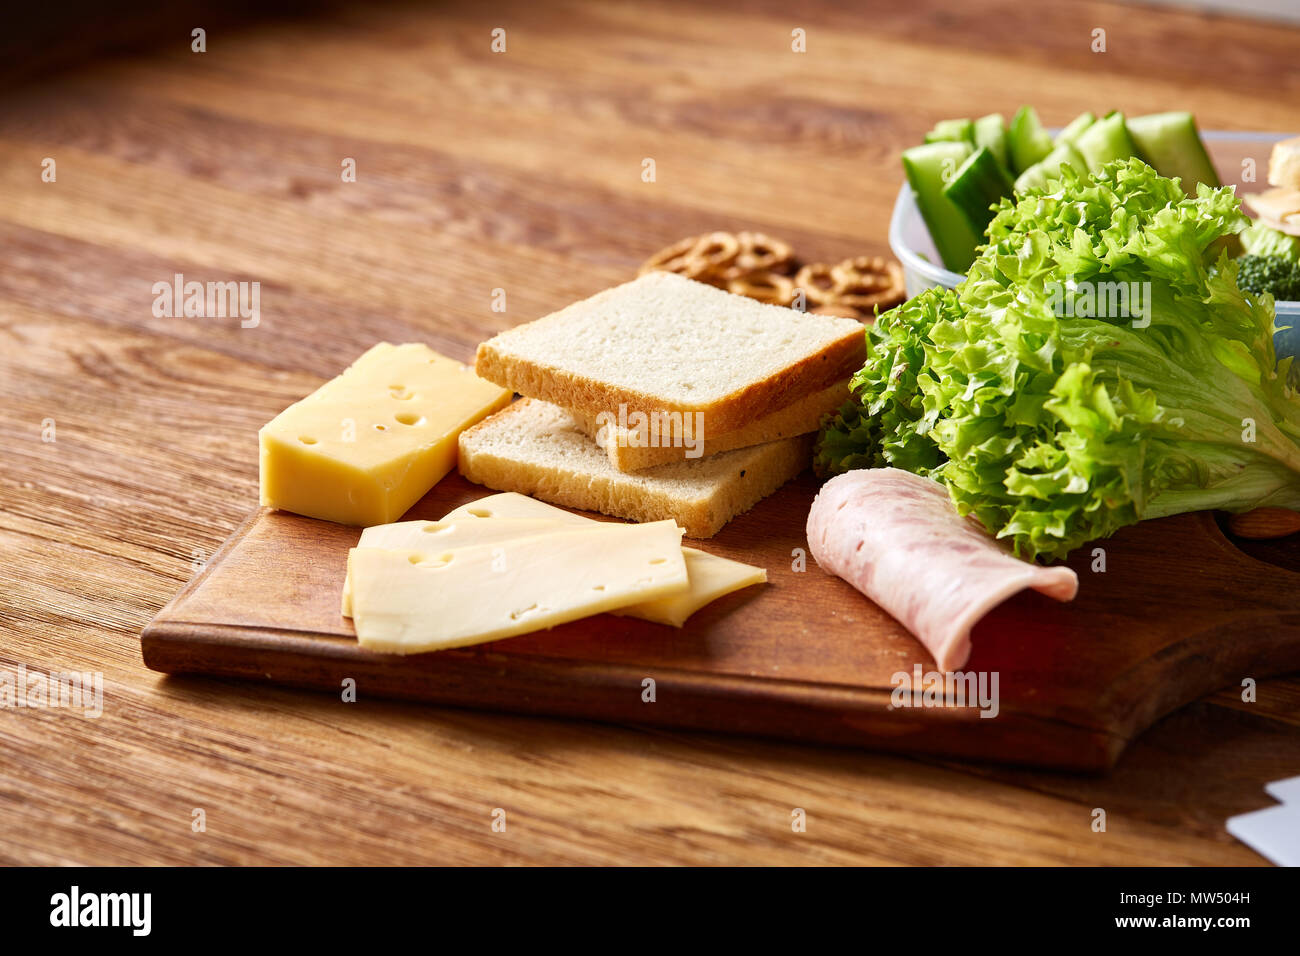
column 897, row 538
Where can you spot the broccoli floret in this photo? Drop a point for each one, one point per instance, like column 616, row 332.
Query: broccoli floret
column 1275, row 274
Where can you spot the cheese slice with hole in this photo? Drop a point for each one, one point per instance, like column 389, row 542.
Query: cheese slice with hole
column 422, row 535
column 711, row 576
column 409, row 602
column 368, row 444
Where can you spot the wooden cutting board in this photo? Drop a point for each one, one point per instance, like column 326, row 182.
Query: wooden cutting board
column 1178, row 612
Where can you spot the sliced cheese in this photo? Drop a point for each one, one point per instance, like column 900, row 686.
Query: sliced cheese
column 1278, row 208
column 423, row 535
column 408, row 602
column 368, row 444
column 511, row 504
column 711, row 576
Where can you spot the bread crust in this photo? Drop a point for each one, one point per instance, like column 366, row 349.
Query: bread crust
column 799, row 418
column 837, row 360
column 841, row 353
column 627, row 496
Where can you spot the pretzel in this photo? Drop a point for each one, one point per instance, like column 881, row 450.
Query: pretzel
column 757, row 266
column 770, row 287
column 760, row 253
column 676, row 258
column 819, row 286
column 867, row 282
column 716, row 250
column 868, row 272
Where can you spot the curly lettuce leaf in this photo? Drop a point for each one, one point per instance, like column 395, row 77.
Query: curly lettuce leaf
column 884, row 422
column 1097, row 367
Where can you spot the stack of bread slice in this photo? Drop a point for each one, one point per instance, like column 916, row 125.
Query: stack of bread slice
column 663, row 398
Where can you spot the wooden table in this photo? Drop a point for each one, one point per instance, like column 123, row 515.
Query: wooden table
column 479, row 171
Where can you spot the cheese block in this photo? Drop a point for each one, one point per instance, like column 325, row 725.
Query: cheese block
column 711, row 576
column 368, row 444
column 409, row 602
column 422, row 535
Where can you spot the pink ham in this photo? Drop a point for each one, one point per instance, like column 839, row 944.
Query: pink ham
column 897, row 538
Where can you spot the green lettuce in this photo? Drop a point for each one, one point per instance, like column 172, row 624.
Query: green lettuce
column 1097, row 367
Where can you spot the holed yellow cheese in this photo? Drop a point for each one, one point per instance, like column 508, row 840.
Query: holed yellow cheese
column 407, row 602
column 422, row 535
column 711, row 576
column 368, row 444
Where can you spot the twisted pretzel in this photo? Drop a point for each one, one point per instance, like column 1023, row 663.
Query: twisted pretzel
column 770, row 287
column 820, row 287
column 761, row 253
column 676, row 258
column 716, row 250
column 757, row 266
column 868, row 274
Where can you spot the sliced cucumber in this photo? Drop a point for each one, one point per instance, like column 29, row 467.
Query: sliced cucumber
column 991, row 133
column 1028, row 141
column 978, row 184
column 1105, row 141
column 929, row 169
column 952, row 131
column 1036, row 176
column 1170, row 143
column 1074, row 128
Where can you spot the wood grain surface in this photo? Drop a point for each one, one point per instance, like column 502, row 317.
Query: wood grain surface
column 478, row 171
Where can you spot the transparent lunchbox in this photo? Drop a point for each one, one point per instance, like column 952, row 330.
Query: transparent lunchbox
column 1241, row 159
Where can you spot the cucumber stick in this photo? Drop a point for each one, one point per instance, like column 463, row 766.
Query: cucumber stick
column 1036, row 176
column 929, row 169
column 991, row 133
column 952, row 131
column 977, row 185
column 1105, row 141
column 1170, row 143
column 1074, row 128
column 1029, row 143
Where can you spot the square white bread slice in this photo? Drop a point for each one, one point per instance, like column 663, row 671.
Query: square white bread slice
column 639, row 445
column 665, row 343
column 538, row 449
